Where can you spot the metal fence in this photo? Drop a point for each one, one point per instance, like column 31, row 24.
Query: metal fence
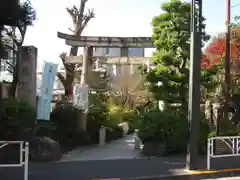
column 24, row 155
column 231, row 142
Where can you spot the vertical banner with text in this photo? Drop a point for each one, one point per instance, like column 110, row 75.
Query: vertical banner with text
column 46, row 89
column 80, row 96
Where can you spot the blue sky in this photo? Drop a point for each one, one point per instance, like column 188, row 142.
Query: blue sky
column 113, row 18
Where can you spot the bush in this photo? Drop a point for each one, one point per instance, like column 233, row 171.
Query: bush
column 102, row 112
column 165, row 128
column 113, row 133
column 17, row 124
column 96, row 119
column 204, row 133
column 132, row 117
column 18, row 120
column 169, row 129
column 65, row 117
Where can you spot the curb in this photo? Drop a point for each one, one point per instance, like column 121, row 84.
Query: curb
column 216, row 173
column 193, row 175
column 212, row 171
column 109, row 179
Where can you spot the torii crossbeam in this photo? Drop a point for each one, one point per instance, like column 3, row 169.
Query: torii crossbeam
column 106, row 41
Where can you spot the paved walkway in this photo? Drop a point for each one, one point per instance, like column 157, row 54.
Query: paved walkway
column 118, row 149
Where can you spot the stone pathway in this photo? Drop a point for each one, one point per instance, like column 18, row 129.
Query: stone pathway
column 118, row 149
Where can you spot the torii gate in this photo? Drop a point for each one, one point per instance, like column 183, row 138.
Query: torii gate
column 115, row 42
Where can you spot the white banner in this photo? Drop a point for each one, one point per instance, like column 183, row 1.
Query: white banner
column 46, row 89
column 80, row 96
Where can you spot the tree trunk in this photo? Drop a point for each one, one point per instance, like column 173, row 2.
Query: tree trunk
column 69, row 77
column 69, row 85
column 13, row 88
column 80, row 21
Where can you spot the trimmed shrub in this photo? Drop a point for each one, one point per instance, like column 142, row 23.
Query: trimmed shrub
column 171, row 130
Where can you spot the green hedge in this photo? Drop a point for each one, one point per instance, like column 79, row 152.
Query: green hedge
column 165, row 127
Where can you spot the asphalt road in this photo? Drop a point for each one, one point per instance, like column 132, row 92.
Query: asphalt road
column 89, row 170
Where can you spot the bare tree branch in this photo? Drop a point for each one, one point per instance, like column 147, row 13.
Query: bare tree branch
column 81, row 12
column 61, row 78
column 73, row 12
column 22, row 31
column 63, row 57
column 70, row 29
column 7, row 46
column 69, row 68
column 13, row 39
column 86, row 19
column 11, row 67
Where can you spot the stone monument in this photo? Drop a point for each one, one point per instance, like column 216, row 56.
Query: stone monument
column 26, row 90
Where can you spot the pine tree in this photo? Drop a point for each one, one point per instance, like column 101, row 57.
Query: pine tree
column 168, row 81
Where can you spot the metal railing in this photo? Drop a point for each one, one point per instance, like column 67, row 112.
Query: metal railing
column 24, row 155
column 231, row 142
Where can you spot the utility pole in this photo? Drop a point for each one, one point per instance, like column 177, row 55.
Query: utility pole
column 227, row 61
column 194, row 92
column 200, row 19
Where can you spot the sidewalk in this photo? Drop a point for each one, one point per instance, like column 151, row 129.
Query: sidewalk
column 118, row 149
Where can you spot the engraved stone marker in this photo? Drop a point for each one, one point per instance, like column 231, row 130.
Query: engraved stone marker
column 26, row 90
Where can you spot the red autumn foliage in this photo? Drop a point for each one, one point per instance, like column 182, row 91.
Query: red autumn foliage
column 215, row 51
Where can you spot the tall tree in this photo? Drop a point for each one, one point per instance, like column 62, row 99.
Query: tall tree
column 80, row 20
column 13, row 37
column 7, row 17
column 168, row 81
